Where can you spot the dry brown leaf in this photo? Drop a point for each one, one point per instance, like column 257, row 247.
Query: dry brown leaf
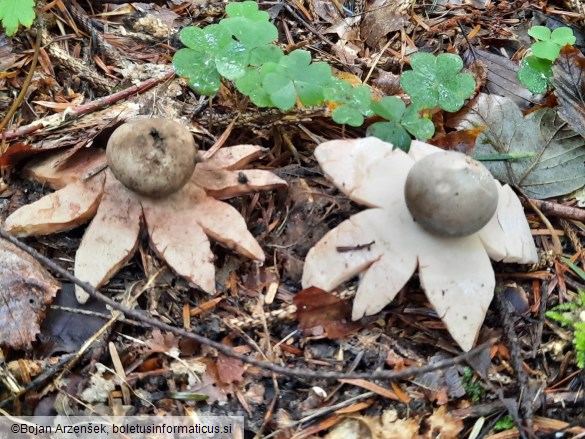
column 372, row 387
column 569, row 82
column 323, row 314
column 382, row 17
column 229, row 369
column 26, row 289
column 441, row 424
column 232, row 158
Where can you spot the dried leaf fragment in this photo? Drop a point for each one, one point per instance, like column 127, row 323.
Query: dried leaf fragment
column 26, row 289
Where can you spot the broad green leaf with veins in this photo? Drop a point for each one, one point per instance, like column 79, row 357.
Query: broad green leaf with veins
column 15, row 12
column 553, row 154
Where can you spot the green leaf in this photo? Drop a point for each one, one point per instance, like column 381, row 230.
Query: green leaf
column 448, row 65
column 540, row 33
column 232, row 61
column 421, row 128
column 252, row 80
column 390, row 108
column 247, row 9
column 250, row 33
column 362, row 99
column 310, row 85
column 263, row 54
column 205, row 84
column 422, row 88
column 15, row 12
column 280, row 89
column 563, row 36
column 199, row 69
column 437, row 81
column 390, row 132
column 556, row 166
column 534, row 74
column 338, row 90
column 546, row 49
column 295, row 63
column 211, row 39
column 454, row 91
column 260, row 98
column 424, row 63
column 346, row 114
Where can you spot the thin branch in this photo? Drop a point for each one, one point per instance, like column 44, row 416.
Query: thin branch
column 226, row 350
column 90, row 107
column 25, row 86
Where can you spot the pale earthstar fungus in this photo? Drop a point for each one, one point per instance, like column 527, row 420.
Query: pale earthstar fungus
column 176, row 199
column 455, row 271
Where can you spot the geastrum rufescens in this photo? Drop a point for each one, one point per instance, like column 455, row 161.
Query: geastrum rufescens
column 152, row 178
column 439, row 211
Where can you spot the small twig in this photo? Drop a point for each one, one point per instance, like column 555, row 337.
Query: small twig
column 226, row 350
column 560, row 210
column 90, row 107
column 324, row 411
column 307, row 25
column 42, row 378
column 25, row 85
column 558, row 248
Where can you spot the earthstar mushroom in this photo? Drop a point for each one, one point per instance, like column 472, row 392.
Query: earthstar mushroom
column 454, row 271
column 152, row 157
column 450, row 194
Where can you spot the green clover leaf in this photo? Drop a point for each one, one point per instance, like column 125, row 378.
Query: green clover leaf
column 539, row 33
column 563, row 36
column 420, row 127
column 535, row 74
column 294, row 76
column 250, row 33
column 199, row 69
column 247, row 9
column 232, row 60
column 546, row 50
column 401, row 121
column 248, row 25
column 346, row 114
column 263, row 54
column 550, row 43
column 280, row 89
column 15, row 12
column 437, row 81
column 251, row 85
column 211, row 39
column 389, row 107
column 356, row 102
column 391, row 132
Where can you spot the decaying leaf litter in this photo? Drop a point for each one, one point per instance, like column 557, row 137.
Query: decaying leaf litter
column 253, row 310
